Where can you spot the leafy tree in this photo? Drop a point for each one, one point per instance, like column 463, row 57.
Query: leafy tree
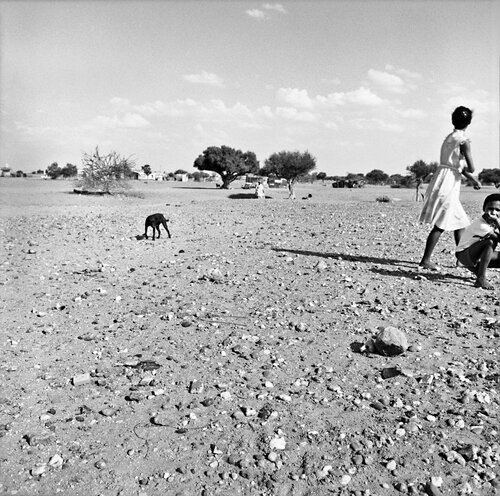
column 377, row 176
column 146, row 169
column 289, row 165
column 53, row 170
column 321, row 176
column 419, row 169
column 20, row 173
column 105, row 172
column 354, row 177
column 227, row 162
column 199, row 176
column 180, row 171
column 490, row 176
column 69, row 170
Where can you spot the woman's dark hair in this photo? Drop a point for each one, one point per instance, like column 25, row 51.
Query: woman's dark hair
column 491, row 198
column 461, row 117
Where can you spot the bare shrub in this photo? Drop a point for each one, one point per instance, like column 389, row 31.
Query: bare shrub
column 107, row 173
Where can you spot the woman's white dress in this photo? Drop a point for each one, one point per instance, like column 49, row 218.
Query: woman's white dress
column 442, row 206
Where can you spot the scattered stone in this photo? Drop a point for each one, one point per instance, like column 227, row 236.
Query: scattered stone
column 391, row 342
column 56, row 461
column 278, row 443
column 345, row 480
column 272, row 456
column 100, row 464
column 196, row 387
column 80, row 379
column 378, row 405
column 107, row 412
column 38, row 440
column 432, row 490
column 39, row 470
column 390, row 372
column 321, row 266
column 146, row 365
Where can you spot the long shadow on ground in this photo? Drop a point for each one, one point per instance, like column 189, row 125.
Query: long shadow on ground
column 244, row 196
column 399, row 272
column 430, row 276
column 200, row 187
column 347, row 257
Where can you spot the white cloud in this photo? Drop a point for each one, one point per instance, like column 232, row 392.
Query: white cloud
column 291, row 113
column 301, row 99
column 40, row 131
column 256, row 13
column 175, row 108
column 204, row 77
column 411, row 113
column 270, row 7
column 374, row 123
column 331, row 125
column 361, row 96
column 294, row 97
column 120, row 102
column 265, row 112
column 404, row 72
column 388, row 81
column 129, row 120
column 278, row 7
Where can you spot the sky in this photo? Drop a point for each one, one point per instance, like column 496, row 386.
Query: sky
column 360, row 84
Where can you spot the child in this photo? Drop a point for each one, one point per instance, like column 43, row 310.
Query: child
column 442, row 207
column 476, row 249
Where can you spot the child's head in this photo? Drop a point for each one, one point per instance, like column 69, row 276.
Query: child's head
column 491, row 205
column 461, row 117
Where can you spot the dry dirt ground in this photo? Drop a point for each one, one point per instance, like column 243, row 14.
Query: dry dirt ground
column 226, row 360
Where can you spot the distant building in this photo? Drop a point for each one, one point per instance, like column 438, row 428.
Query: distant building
column 181, row 177
column 5, row 171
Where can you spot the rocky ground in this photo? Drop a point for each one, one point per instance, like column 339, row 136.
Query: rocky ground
column 229, row 359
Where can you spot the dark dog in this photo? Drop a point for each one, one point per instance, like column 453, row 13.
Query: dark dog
column 154, row 221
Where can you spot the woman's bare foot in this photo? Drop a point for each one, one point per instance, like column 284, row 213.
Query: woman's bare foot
column 474, row 270
column 429, row 265
column 481, row 282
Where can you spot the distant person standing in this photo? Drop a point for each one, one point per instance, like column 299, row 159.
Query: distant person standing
column 442, row 207
column 259, row 190
column 291, row 192
column 417, row 193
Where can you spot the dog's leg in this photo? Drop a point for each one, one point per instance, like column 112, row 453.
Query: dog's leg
column 164, row 222
column 146, row 230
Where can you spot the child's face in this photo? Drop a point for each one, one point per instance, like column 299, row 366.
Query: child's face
column 492, row 209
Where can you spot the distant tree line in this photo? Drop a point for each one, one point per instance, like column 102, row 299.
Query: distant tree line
column 54, row 171
column 108, row 171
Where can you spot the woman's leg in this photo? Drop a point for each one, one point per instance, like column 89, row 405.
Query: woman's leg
column 432, row 240
column 458, row 234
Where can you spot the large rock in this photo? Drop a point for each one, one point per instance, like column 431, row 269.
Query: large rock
column 391, row 342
